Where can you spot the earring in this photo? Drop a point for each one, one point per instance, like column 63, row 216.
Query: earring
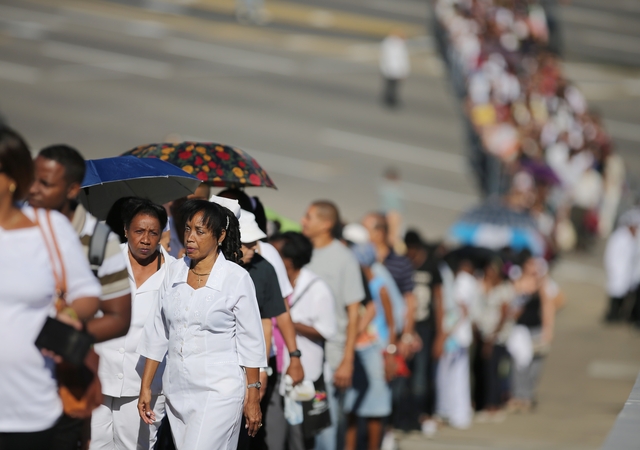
column 12, row 188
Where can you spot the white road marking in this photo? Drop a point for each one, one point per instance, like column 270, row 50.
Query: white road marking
column 132, row 27
column 107, row 60
column 393, row 151
column 231, row 56
column 441, row 198
column 18, row 72
column 611, row 41
column 81, row 72
column 623, row 130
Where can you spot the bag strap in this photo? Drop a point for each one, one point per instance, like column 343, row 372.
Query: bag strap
column 55, row 257
column 304, row 291
column 98, row 246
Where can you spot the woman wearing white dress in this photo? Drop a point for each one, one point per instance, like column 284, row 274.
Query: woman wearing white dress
column 207, row 323
column 116, row 424
column 29, row 402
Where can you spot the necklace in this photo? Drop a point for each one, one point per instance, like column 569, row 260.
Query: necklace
column 199, row 275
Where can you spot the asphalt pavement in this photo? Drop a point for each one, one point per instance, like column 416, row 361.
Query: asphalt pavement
column 302, row 95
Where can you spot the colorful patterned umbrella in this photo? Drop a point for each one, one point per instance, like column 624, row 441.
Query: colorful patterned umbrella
column 214, row 164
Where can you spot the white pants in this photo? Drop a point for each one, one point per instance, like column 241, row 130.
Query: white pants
column 453, row 388
column 116, row 424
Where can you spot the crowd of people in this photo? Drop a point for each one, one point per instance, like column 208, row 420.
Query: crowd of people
column 530, row 129
column 213, row 334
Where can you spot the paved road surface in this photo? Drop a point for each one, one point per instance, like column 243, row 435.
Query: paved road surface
column 302, row 95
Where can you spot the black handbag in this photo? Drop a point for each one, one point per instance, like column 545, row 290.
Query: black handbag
column 316, row 415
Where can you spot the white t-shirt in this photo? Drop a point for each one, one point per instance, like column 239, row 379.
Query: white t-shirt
column 466, row 291
column 272, row 256
column 28, row 389
column 312, row 304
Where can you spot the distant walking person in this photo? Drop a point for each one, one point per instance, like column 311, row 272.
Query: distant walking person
column 394, row 66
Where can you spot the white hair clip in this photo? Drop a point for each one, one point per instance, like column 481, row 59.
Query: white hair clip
column 227, row 227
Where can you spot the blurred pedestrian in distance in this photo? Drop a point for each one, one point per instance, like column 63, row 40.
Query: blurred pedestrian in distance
column 59, row 171
column 116, row 424
column 337, row 266
column 312, row 310
column 394, row 66
column 534, row 309
column 621, row 259
column 392, row 205
column 460, row 294
column 425, row 261
column 492, row 320
column 29, row 275
column 369, row 397
column 207, row 325
column 408, row 343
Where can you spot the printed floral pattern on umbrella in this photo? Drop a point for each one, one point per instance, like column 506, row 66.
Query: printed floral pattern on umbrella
column 215, row 164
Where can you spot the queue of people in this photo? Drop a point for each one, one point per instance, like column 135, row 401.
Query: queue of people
column 212, row 334
column 523, row 117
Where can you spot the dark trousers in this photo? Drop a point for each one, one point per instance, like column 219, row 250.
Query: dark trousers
column 492, row 392
column 390, row 95
column 615, row 307
column 422, row 380
column 37, row 440
column 70, row 433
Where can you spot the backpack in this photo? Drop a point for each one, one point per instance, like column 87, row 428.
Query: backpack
column 98, row 246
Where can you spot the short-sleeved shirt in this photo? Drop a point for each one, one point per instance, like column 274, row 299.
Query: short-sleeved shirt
column 402, row 271
column 269, row 252
column 112, row 273
column 28, row 390
column 270, row 301
column 338, row 267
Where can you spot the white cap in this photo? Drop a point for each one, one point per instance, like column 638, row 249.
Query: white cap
column 229, row 203
column 356, row 233
column 249, row 229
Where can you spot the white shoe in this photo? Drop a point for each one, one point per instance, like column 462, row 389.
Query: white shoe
column 429, row 428
column 389, row 441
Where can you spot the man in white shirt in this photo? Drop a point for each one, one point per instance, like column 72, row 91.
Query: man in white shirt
column 336, row 265
column 59, row 171
column 394, row 65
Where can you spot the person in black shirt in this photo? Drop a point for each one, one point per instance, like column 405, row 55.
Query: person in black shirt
column 424, row 259
column 271, row 305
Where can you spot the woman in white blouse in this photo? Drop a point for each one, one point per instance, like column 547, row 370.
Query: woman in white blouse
column 116, row 425
column 29, row 401
column 207, row 323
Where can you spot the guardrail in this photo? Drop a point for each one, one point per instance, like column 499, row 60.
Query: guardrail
column 625, row 434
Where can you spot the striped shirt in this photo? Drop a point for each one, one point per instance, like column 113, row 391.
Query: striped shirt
column 112, row 273
column 401, row 270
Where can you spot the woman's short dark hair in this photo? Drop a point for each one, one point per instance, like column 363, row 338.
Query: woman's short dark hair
column 16, row 161
column 125, row 209
column 296, row 247
column 136, row 206
column 216, row 218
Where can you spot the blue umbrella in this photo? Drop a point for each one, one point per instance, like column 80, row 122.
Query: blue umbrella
column 110, row 179
column 494, row 226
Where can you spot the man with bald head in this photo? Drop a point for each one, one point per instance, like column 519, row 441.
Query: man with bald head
column 338, row 267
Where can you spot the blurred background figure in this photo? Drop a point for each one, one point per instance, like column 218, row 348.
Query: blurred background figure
column 394, row 66
column 620, row 262
column 393, row 206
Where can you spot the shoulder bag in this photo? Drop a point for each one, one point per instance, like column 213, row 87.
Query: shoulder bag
column 78, row 384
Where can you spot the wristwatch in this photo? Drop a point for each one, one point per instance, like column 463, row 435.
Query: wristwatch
column 392, row 349
column 256, row 385
column 295, row 354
